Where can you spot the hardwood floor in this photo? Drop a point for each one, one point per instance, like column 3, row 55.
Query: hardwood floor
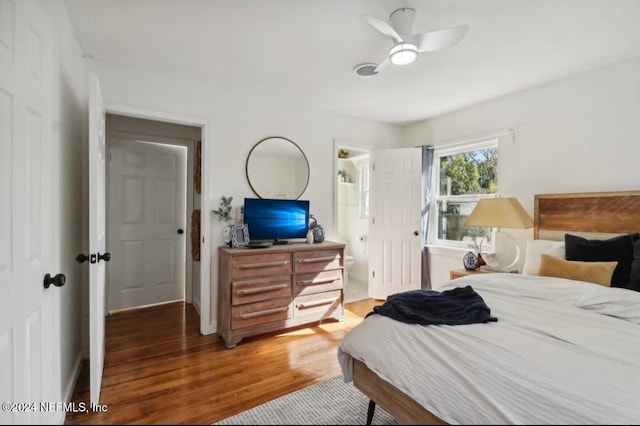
column 160, row 370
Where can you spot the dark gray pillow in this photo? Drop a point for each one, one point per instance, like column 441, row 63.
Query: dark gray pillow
column 620, row 249
column 635, row 264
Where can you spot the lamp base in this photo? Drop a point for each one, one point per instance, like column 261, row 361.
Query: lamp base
column 505, row 256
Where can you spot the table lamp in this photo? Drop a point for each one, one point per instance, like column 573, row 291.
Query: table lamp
column 500, row 213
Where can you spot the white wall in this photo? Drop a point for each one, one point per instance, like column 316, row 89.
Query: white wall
column 579, row 134
column 237, row 122
column 69, row 113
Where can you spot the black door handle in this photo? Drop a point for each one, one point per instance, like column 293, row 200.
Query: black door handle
column 106, row 257
column 58, row 280
column 416, row 232
column 180, row 231
column 92, row 258
column 81, row 258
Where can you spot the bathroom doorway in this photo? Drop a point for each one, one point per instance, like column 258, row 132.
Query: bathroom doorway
column 352, row 216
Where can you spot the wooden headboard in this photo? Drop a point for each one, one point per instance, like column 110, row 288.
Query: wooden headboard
column 595, row 214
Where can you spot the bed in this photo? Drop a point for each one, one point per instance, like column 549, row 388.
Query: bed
column 563, row 351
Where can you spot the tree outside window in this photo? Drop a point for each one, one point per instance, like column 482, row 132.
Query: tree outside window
column 464, row 175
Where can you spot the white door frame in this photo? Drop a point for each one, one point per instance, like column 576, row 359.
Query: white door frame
column 206, row 325
column 163, row 140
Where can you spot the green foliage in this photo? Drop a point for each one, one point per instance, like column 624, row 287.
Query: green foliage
column 472, row 172
column 224, row 210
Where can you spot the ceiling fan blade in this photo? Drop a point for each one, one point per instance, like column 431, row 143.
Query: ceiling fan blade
column 383, row 27
column 440, row 39
column 382, row 65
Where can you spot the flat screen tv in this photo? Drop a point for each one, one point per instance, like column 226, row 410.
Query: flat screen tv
column 276, row 219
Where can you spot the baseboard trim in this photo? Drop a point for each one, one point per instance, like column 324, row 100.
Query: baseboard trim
column 67, row 395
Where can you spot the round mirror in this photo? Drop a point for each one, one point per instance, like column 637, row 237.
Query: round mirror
column 277, row 168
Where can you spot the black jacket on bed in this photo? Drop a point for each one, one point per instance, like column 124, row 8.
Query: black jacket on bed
column 460, row 305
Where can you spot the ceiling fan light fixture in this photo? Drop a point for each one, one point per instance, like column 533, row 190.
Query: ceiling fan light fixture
column 403, row 53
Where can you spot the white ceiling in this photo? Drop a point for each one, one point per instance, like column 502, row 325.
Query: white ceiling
column 304, row 51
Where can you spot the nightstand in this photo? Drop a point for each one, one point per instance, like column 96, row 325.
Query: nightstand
column 457, row 273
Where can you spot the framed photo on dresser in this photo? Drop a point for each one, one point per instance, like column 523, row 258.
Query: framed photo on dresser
column 239, row 235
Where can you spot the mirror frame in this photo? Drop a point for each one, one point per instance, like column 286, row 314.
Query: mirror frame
column 294, row 144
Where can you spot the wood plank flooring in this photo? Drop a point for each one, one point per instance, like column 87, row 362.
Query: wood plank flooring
column 160, row 370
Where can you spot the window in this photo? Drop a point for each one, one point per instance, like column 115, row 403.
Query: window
column 364, row 190
column 462, row 176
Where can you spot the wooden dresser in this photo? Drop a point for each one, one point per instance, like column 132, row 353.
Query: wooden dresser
column 268, row 289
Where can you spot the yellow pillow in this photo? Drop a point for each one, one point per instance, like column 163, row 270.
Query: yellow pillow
column 593, row 272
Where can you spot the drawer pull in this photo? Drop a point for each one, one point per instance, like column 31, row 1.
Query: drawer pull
column 264, row 312
column 318, row 281
column 318, row 259
column 254, row 290
column 315, row 303
column 262, row 265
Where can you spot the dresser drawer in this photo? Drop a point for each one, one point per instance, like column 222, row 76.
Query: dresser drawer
column 321, row 305
column 260, row 265
column 260, row 313
column 255, row 290
column 315, row 282
column 317, row 260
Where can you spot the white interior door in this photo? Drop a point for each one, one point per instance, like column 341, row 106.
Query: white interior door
column 29, row 323
column 97, row 236
column 147, row 218
column 395, row 222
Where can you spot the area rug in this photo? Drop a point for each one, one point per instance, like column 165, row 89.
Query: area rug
column 331, row 402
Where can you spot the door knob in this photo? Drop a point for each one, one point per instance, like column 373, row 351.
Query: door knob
column 58, row 280
column 180, row 231
column 106, row 257
column 92, row 258
column 81, row 258
column 416, row 232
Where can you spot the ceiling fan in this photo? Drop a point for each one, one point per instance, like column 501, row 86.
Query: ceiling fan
column 406, row 45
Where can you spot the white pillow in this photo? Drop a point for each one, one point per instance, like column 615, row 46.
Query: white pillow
column 537, row 247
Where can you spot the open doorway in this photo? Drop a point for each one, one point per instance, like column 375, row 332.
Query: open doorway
column 352, row 215
column 153, row 206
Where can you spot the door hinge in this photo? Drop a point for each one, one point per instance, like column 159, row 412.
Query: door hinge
column 373, row 220
column 373, row 274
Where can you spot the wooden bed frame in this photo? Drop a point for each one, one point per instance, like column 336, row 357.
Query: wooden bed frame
column 587, row 213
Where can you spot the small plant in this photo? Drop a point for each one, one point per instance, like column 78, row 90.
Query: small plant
column 344, row 176
column 475, row 246
column 224, row 210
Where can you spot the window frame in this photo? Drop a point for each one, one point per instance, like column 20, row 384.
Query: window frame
column 445, row 151
column 364, row 192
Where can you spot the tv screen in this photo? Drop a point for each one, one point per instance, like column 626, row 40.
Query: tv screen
column 276, row 219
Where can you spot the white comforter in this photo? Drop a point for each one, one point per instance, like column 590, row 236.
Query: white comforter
column 562, row 352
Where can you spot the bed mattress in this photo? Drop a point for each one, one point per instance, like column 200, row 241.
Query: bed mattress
column 561, row 352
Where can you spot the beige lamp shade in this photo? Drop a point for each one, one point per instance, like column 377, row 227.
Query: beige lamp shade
column 499, row 213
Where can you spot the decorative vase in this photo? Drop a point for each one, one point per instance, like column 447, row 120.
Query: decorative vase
column 316, row 230
column 470, row 261
column 318, row 234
